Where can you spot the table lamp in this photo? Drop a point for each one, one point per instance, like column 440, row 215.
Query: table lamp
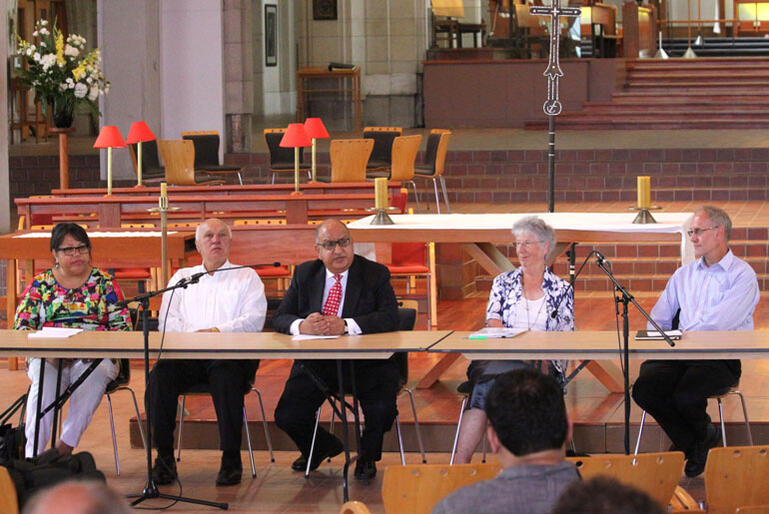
column 109, row 138
column 316, row 130
column 139, row 133
column 295, row 137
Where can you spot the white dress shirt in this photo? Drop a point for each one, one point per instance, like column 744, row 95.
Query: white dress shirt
column 231, row 301
column 350, row 324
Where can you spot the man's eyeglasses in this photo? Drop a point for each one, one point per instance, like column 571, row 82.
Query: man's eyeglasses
column 73, row 250
column 698, row 231
column 330, row 245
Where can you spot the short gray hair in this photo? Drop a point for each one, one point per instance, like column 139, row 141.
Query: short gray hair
column 718, row 217
column 541, row 230
column 199, row 230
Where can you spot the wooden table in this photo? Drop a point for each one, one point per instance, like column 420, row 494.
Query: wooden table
column 602, row 345
column 127, row 249
column 306, row 75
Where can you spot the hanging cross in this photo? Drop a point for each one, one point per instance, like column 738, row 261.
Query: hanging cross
column 552, row 106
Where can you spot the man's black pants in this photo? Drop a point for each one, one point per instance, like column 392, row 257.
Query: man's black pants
column 376, row 383
column 228, row 381
column 675, row 392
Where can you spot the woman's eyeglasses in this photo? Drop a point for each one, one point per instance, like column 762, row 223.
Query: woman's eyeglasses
column 73, row 250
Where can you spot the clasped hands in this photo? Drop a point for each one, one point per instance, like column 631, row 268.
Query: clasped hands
column 319, row 325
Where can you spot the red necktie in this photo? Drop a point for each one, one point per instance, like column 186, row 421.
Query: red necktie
column 331, row 308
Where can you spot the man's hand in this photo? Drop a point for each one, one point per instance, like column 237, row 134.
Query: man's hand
column 314, row 324
column 334, row 326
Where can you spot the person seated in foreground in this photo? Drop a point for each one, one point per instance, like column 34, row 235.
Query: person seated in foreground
column 605, row 495
column 339, row 293
column 72, row 294
column 718, row 291
column 77, row 497
column 528, row 430
column 525, row 299
column 227, row 301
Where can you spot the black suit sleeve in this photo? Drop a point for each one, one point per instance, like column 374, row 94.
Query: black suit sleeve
column 290, row 308
column 377, row 308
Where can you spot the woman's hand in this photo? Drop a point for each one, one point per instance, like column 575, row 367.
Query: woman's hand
column 494, row 323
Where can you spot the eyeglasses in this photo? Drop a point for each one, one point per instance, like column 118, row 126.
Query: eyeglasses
column 330, row 245
column 526, row 244
column 698, row 231
column 73, row 250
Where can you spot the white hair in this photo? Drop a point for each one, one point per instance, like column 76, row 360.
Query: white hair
column 199, row 230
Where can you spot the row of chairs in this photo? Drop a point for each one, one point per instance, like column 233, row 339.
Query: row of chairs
column 381, row 152
column 192, row 160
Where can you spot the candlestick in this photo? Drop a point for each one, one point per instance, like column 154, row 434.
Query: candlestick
column 109, row 170
column 380, row 193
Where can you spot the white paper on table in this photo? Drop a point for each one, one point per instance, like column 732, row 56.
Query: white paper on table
column 307, row 337
column 54, row 333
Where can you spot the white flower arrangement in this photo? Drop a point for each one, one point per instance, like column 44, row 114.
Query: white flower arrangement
column 62, row 71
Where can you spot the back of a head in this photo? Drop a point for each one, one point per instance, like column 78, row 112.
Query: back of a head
column 77, row 497
column 527, row 411
column 605, row 495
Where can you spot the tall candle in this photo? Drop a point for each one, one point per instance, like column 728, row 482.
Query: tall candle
column 163, row 189
column 380, row 193
column 644, row 192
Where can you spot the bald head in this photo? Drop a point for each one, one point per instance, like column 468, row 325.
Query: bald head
column 334, row 245
column 77, row 497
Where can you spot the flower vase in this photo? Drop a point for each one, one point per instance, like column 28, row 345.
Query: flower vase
column 63, row 111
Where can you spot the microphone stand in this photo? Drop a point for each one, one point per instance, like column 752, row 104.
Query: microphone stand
column 150, row 490
column 625, row 300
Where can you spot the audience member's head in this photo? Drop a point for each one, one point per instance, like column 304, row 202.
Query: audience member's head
column 77, row 497
column 605, row 495
column 527, row 412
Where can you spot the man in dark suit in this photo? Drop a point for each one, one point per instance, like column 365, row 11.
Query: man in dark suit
column 339, row 293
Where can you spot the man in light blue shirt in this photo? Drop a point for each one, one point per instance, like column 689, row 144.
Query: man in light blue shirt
column 718, row 291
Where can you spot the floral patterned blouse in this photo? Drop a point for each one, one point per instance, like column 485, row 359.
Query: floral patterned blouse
column 506, row 292
column 45, row 303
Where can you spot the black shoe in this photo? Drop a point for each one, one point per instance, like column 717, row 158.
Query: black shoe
column 334, row 449
column 164, row 470
column 695, row 463
column 229, row 475
column 365, row 470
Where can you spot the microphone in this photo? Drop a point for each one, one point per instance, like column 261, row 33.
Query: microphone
column 195, row 277
column 601, row 260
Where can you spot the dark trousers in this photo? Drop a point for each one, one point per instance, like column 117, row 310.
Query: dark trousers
column 676, row 393
column 228, row 381
column 376, row 384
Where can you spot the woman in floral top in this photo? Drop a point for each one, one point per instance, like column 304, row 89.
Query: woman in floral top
column 524, row 298
column 75, row 295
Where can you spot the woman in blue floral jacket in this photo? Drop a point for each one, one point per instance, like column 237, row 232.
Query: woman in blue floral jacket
column 525, row 299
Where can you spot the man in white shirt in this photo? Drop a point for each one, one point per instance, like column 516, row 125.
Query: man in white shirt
column 227, row 301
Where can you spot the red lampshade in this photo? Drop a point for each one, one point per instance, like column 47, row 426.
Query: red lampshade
column 109, row 137
column 139, row 133
column 315, row 128
column 295, row 136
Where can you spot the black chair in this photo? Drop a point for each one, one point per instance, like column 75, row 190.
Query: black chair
column 121, row 384
column 282, row 159
column 380, row 161
column 152, row 171
column 207, row 155
column 406, row 320
column 434, row 163
column 201, row 389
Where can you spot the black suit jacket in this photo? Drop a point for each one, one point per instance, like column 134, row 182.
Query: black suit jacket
column 369, row 298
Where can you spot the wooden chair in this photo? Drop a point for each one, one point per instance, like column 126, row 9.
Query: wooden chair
column 736, row 476
column 417, row 488
column 152, row 171
column 9, row 503
column 656, row 474
column 381, row 156
column 349, row 158
column 404, row 155
column 434, row 163
column 282, row 159
column 206, row 144
column 179, row 158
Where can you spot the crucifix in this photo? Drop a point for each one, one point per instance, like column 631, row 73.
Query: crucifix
column 552, row 105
